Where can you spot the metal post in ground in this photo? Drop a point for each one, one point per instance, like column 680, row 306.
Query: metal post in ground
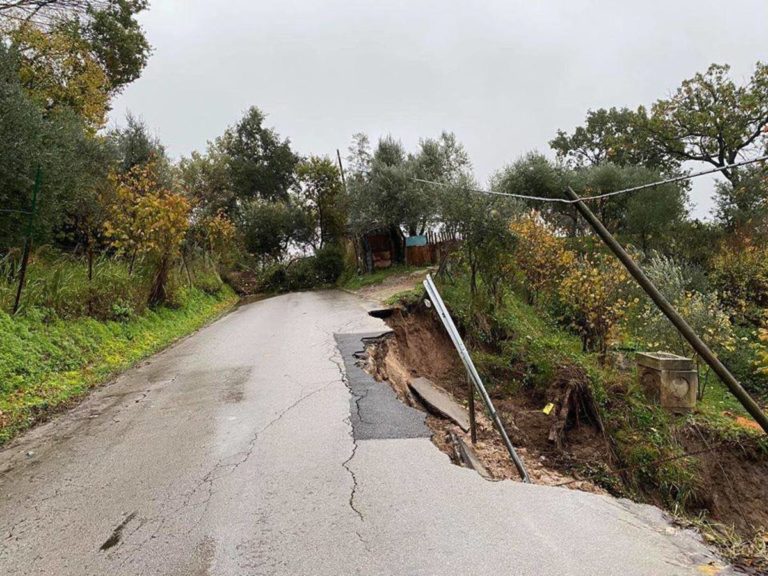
column 669, row 311
column 437, row 301
column 472, row 422
column 27, row 241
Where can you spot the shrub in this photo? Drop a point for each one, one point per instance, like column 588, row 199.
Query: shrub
column 146, row 218
column 329, row 263
column 762, row 352
column 703, row 311
column 740, row 273
column 539, row 254
column 594, row 291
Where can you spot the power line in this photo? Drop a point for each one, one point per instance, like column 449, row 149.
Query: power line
column 606, row 194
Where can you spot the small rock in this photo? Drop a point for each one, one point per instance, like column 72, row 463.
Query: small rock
column 30, row 454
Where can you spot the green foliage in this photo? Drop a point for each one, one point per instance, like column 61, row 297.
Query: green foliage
column 307, row 273
column 271, row 227
column 117, row 40
column 711, row 119
column 261, row 164
column 46, row 362
column 483, row 224
column 58, row 286
column 740, row 273
column 322, row 195
column 744, row 205
column 207, row 181
column 382, row 189
column 703, row 311
column 72, row 164
column 648, row 218
column 107, row 28
column 134, row 146
column 617, row 136
column 329, row 263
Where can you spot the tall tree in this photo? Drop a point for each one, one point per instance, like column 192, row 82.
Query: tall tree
column 77, row 54
column 322, row 194
column 712, row 119
column 383, row 185
column 59, row 72
column 744, row 203
column 70, row 161
column 117, row 40
column 618, row 136
column 207, row 181
column 134, row 146
column 261, row 163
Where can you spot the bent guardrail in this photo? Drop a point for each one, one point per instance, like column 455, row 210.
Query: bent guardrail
column 437, row 301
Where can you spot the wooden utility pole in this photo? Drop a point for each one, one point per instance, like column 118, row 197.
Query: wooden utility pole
column 341, row 169
column 669, row 311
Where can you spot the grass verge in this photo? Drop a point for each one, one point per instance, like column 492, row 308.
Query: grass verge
column 46, row 364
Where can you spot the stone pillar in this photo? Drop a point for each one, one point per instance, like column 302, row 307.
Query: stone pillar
column 668, row 379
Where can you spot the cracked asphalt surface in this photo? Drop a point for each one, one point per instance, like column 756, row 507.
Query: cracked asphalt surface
column 257, row 446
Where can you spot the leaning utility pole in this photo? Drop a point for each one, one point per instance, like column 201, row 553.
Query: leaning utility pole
column 669, row 311
column 341, row 169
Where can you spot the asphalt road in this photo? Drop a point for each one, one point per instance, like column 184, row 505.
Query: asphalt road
column 244, row 450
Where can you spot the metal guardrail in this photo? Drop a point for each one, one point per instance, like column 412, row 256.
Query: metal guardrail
column 437, row 301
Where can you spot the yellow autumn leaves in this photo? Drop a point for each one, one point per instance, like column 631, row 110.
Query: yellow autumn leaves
column 58, row 70
column 591, row 287
column 143, row 216
column 763, row 350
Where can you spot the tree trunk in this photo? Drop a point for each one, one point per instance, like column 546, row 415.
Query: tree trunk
column 159, row 292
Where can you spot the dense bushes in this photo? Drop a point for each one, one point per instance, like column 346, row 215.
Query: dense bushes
column 58, row 285
column 306, row 273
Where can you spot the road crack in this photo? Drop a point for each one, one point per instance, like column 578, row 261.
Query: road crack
column 338, row 360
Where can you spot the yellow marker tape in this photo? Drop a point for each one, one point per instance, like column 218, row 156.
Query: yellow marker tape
column 548, row 408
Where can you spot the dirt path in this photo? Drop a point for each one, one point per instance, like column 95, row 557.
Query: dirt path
column 380, row 293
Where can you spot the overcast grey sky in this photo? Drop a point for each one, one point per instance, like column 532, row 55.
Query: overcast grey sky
column 503, row 75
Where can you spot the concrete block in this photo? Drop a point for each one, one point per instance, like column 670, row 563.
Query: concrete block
column 668, row 379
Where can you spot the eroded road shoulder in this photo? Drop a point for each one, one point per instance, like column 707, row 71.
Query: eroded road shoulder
column 258, row 447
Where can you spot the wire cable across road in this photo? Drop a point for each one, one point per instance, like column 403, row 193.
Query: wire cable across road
column 606, row 194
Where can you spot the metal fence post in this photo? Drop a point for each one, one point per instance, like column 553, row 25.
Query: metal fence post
column 472, row 422
column 28, row 241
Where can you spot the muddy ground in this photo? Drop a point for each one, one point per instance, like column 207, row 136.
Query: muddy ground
column 733, row 479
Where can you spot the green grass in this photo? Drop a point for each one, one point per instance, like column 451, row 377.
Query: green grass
column 45, row 363
column 356, row 282
column 520, row 347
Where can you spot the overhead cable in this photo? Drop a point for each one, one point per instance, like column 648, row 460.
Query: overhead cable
column 606, row 194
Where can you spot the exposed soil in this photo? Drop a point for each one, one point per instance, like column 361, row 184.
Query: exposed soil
column 734, row 482
column 568, row 444
column 420, row 347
